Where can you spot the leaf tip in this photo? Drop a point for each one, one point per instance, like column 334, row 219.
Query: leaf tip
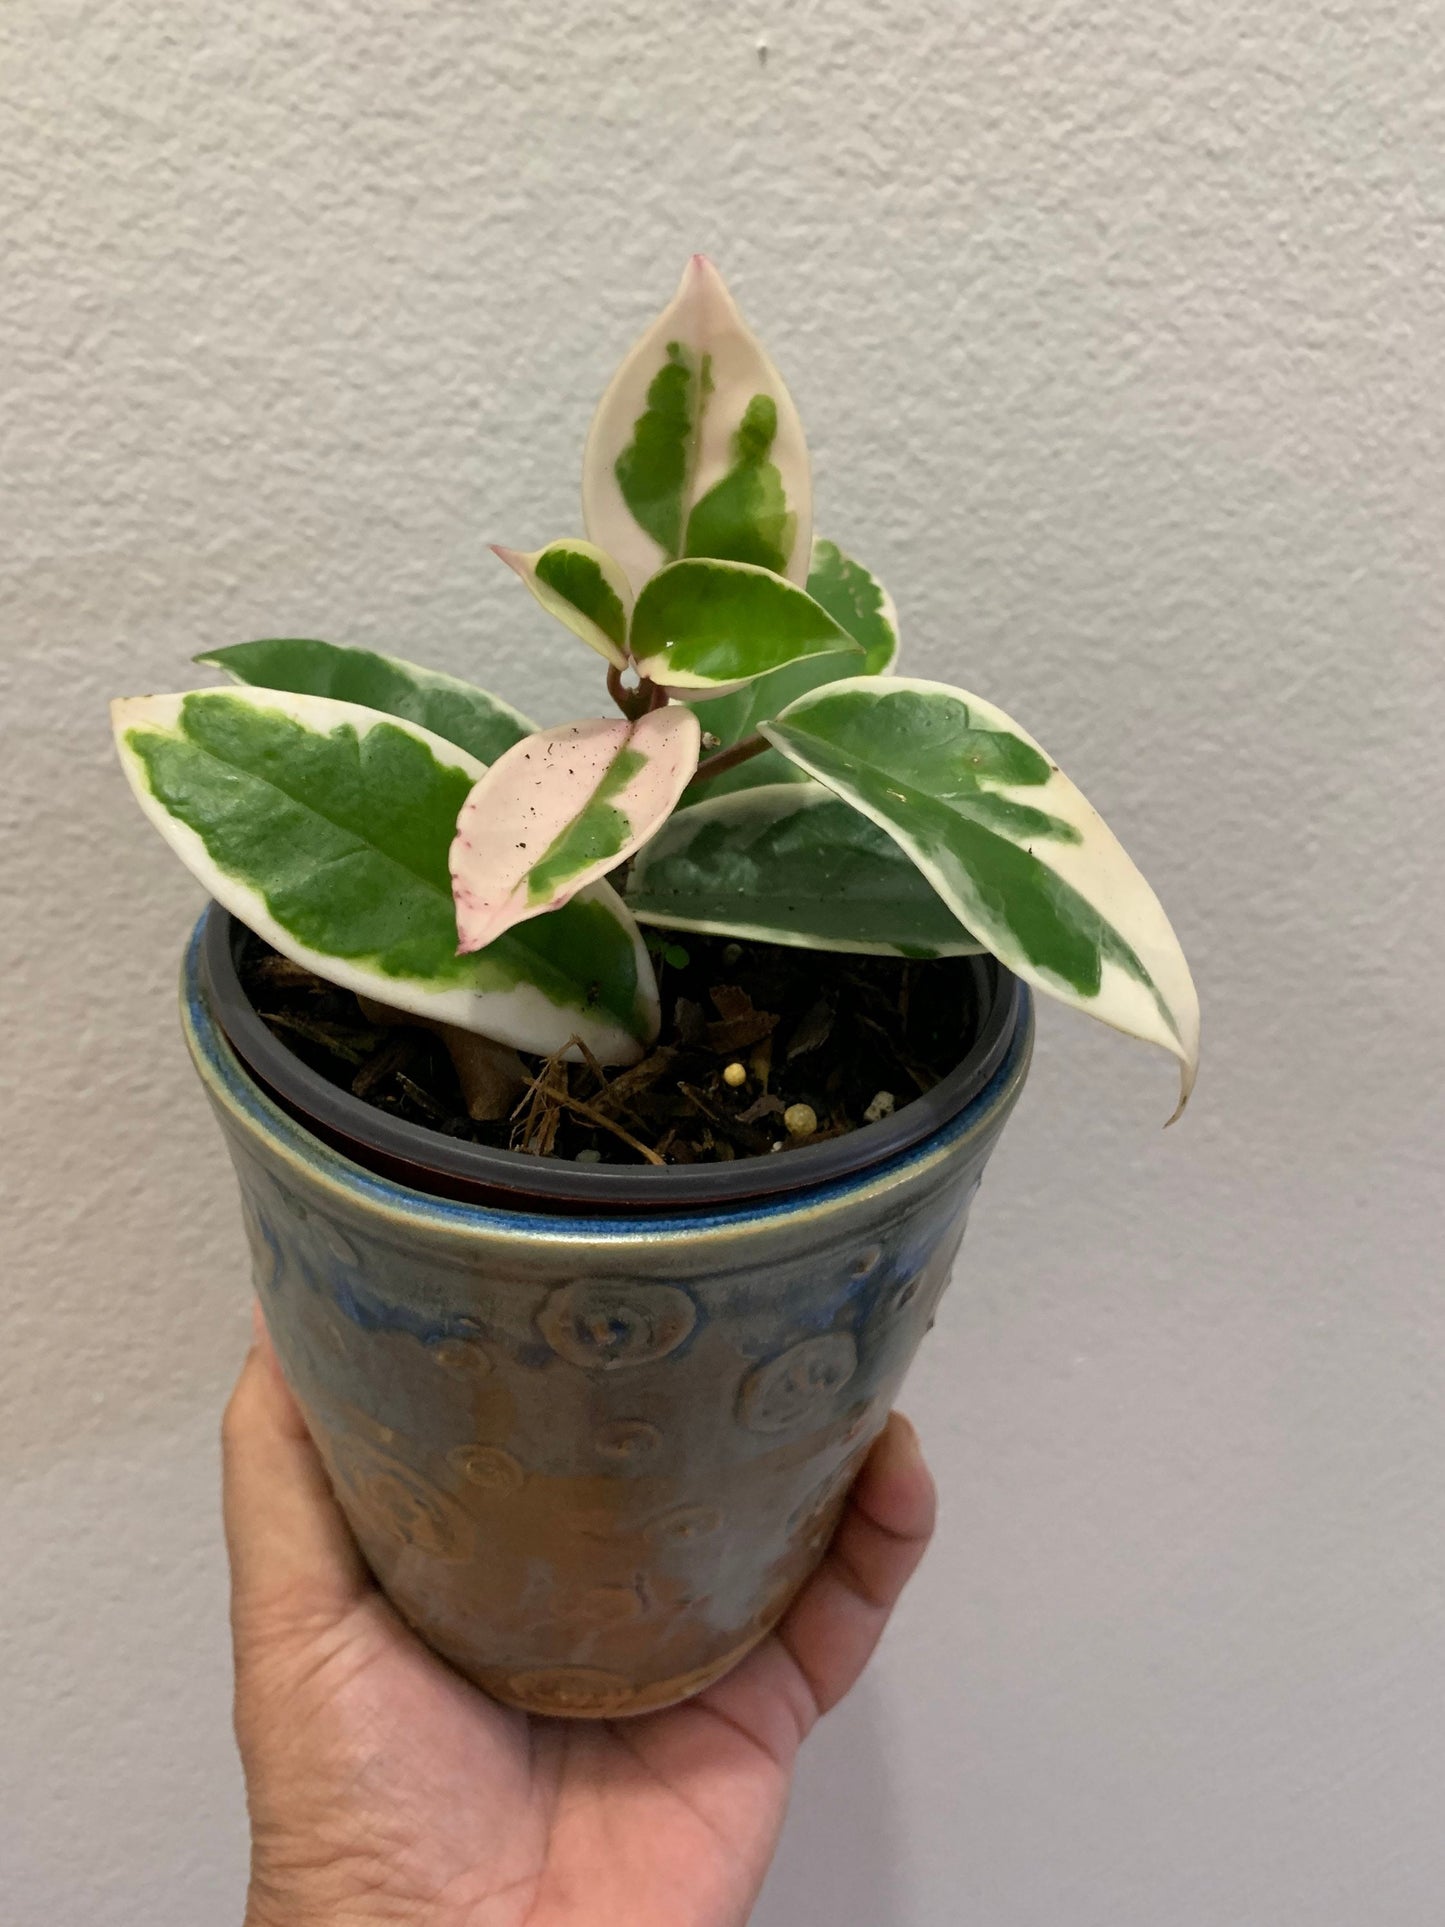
column 704, row 288
column 478, row 924
column 125, row 710
column 1188, row 1072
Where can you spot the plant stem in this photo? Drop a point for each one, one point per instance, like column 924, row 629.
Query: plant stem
column 727, row 759
column 632, row 702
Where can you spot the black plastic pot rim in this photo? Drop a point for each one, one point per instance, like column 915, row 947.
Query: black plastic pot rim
column 429, row 1161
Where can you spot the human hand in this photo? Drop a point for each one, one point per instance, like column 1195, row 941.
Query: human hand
column 382, row 1787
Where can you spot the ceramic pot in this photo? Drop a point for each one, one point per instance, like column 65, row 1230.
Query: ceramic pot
column 591, row 1439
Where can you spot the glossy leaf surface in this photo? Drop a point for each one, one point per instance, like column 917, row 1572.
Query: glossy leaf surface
column 716, row 625
column 696, row 448
column 560, row 810
column 1008, row 842
column 325, row 827
column 792, row 863
column 480, row 723
column 858, row 603
column 582, row 587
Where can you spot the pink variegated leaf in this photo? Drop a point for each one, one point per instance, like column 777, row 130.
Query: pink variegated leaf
column 561, row 809
column 696, row 448
column 582, row 586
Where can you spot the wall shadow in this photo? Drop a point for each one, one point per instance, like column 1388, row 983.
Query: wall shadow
column 837, row 1865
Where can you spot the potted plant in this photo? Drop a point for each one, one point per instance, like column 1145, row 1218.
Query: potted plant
column 607, row 1099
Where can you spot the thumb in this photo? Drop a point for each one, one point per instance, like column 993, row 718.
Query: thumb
column 294, row 1563
column 832, row 1627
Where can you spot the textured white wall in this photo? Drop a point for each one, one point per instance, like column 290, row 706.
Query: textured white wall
column 1118, row 332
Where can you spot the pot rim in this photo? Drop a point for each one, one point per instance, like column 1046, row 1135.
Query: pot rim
column 249, row 1071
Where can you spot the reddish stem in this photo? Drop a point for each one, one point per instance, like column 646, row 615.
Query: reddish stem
column 727, row 759
column 632, row 702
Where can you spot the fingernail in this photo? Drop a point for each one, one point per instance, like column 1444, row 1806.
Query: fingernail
column 908, row 1437
column 258, row 1322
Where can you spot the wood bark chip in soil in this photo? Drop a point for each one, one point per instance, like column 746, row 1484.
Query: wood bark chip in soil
column 834, row 1033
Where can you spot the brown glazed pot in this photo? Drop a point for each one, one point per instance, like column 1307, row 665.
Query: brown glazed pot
column 592, row 1429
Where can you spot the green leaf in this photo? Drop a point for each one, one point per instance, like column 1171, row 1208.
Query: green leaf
column 791, row 863
column 857, row 602
column 583, row 587
column 326, row 828
column 696, row 448
column 1009, row 844
column 562, row 809
column 744, row 516
column 481, row 724
column 714, row 625
column 652, row 471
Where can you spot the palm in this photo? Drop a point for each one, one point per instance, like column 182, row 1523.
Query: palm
column 485, row 1816
column 384, row 1787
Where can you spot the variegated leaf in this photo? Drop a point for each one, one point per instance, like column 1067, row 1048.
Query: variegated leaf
column 472, row 718
column 562, row 809
column 857, row 602
column 1008, row 842
column 791, row 863
column 582, row 586
column 715, row 625
column 696, row 447
column 325, row 827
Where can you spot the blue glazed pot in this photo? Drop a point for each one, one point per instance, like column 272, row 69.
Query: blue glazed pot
column 591, row 1454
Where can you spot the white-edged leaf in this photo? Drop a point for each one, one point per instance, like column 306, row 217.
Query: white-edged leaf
column 696, row 447
column 857, row 602
column 791, row 863
column 580, row 585
column 1008, row 842
column 325, row 826
column 715, row 625
column 472, row 718
column 562, row 809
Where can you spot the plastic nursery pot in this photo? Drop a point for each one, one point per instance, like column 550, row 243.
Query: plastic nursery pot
column 592, row 1428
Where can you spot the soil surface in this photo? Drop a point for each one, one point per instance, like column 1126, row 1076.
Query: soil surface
column 758, row 1042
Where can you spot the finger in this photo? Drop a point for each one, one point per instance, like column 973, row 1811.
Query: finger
column 293, row 1560
column 832, row 1627
column 823, row 1642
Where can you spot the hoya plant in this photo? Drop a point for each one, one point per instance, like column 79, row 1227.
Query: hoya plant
column 762, row 770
